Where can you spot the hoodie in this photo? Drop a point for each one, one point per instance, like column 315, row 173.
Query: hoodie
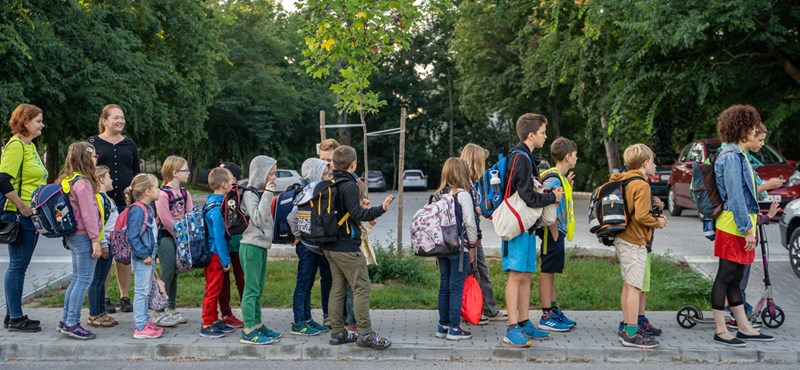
column 524, row 172
column 312, row 171
column 637, row 193
column 350, row 201
column 215, row 225
column 259, row 231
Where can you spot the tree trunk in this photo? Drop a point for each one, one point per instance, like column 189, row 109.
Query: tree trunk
column 450, row 113
column 52, row 160
column 401, row 164
column 344, row 132
column 788, row 66
column 554, row 118
column 612, row 148
column 361, row 115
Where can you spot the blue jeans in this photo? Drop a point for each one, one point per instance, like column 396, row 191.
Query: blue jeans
column 451, row 287
column 307, row 264
column 19, row 257
column 143, row 277
column 97, row 290
column 83, row 266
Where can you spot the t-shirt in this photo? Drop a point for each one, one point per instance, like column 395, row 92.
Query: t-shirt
column 122, row 159
column 34, row 173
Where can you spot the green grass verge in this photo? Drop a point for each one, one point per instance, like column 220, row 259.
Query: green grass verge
column 413, row 283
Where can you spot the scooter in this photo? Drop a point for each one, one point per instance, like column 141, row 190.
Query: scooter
column 771, row 314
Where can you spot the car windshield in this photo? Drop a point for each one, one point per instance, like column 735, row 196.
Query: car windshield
column 665, row 159
column 374, row 174
column 766, row 155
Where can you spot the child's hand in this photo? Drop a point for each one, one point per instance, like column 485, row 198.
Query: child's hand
column 472, row 255
column 658, row 203
column 97, row 251
column 148, row 261
column 105, row 253
column 373, row 222
column 662, row 222
column 270, row 186
column 774, row 183
column 559, row 192
column 773, row 210
column 365, row 202
column 387, row 202
column 227, row 268
column 554, row 232
column 571, row 178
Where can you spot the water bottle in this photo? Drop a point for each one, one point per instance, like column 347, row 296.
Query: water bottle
column 495, row 183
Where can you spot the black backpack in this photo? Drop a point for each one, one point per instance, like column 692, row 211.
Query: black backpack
column 236, row 220
column 608, row 215
column 281, row 207
column 323, row 214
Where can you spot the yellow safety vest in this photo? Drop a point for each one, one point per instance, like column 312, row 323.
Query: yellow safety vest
column 568, row 204
column 725, row 220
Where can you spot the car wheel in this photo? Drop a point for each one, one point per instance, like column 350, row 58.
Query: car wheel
column 674, row 209
column 794, row 251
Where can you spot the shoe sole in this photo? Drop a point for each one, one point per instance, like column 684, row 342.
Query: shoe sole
column 544, row 327
column 145, row 337
column 245, row 341
column 457, row 337
column 167, row 325
column 641, row 346
column 212, row 336
column 377, row 348
column 440, row 335
column 73, row 336
column 736, row 345
column 29, row 330
column 510, row 343
column 303, row 334
column 756, row 339
column 543, row 339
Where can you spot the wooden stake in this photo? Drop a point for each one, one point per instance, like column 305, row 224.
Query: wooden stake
column 322, row 125
column 400, row 169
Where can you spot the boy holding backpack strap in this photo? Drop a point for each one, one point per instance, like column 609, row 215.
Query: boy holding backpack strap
column 234, row 243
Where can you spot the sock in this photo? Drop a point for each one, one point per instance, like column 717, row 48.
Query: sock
column 641, row 320
column 523, row 323
column 631, row 329
column 546, row 312
column 554, row 304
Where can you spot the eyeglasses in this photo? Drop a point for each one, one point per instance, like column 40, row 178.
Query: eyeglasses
column 186, row 170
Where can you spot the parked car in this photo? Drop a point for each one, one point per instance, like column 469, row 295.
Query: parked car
column 415, row 179
column 283, row 180
column 376, row 181
column 659, row 183
column 789, row 227
column 775, row 165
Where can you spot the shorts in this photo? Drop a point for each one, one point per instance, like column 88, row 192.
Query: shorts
column 552, row 254
column 519, row 254
column 632, row 262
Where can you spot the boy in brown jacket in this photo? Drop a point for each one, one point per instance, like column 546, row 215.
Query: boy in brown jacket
column 632, row 244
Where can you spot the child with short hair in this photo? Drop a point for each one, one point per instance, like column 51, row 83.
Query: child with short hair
column 234, row 243
column 97, row 290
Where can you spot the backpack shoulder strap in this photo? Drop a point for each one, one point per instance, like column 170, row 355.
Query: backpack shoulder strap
column 166, row 189
column 626, row 182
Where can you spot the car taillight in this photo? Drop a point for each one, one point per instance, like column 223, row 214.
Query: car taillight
column 380, row 178
column 654, row 178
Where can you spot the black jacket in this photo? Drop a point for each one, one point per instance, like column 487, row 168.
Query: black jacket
column 349, row 201
column 522, row 182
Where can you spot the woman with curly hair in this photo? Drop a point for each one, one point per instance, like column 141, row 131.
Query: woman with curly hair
column 735, row 241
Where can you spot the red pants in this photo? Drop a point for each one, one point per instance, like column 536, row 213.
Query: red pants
column 215, row 277
column 225, row 295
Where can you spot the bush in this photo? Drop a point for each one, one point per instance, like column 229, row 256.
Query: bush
column 408, row 269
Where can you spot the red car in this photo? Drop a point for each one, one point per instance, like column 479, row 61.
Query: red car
column 775, row 165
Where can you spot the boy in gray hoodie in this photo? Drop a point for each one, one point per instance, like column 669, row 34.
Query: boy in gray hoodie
column 256, row 241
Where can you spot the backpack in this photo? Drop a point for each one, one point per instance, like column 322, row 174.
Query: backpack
column 118, row 244
column 436, row 228
column 491, row 198
column 53, row 216
column 236, row 220
column 323, row 220
column 172, row 200
column 608, row 215
column 191, row 245
column 282, row 205
column 704, row 188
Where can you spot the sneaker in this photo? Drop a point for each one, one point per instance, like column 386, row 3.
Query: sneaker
column 232, row 321
column 549, row 323
column 163, row 319
column 149, row 332
column 223, row 327
column 255, row 337
column 24, row 325
column 731, row 324
column 177, row 316
column 5, row 322
column 110, row 307
column 647, row 327
column 457, row 334
column 342, row 337
column 499, row 317
column 270, row 333
column 77, row 332
column 320, row 328
column 638, row 340
column 441, row 331
column 516, row 339
column 303, row 328
column 60, row 327
column 484, row 320
column 733, row 342
column 376, row 341
column 211, row 331
column 758, row 337
column 531, row 332
column 558, row 315
column 125, row 304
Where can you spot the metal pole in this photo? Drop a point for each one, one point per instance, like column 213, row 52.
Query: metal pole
column 322, row 125
column 401, row 166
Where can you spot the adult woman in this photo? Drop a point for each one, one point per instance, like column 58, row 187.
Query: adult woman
column 21, row 172
column 121, row 156
column 735, row 241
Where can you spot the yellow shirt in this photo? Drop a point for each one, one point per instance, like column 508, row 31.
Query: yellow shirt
column 34, row 174
column 725, row 221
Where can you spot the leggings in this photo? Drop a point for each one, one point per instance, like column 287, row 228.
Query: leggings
column 729, row 276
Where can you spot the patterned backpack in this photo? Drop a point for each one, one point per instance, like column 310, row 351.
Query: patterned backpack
column 191, row 250
column 118, row 244
column 53, row 215
column 436, row 228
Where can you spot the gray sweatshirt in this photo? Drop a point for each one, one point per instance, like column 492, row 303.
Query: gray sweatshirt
column 259, row 231
column 312, row 171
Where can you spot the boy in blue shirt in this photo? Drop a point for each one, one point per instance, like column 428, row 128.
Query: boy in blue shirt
column 565, row 153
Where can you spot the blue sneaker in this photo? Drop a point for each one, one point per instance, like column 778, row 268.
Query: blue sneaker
column 551, row 324
column 516, row 339
column 255, row 337
column 223, row 327
column 441, row 331
column 457, row 334
column 648, row 328
column 303, row 328
column 269, row 333
column 558, row 314
column 211, row 331
column 321, row 328
column 532, row 332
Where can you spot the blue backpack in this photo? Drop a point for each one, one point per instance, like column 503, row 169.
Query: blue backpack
column 492, row 197
column 191, row 236
column 53, row 216
column 282, row 206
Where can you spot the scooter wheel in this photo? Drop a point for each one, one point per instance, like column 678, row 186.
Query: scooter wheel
column 772, row 321
column 688, row 316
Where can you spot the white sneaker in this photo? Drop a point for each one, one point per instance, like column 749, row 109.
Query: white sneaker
column 163, row 319
column 178, row 317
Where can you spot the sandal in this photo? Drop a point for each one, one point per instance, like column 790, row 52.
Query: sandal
column 101, row 321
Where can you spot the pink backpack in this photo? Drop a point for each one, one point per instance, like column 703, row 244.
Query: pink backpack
column 118, row 243
column 436, row 228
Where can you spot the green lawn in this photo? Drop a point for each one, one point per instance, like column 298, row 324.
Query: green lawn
column 413, row 283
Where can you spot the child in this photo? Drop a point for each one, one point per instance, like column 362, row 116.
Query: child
column 78, row 174
column 309, row 258
column 631, row 245
column 142, row 191
column 565, row 153
column 256, row 241
column 475, row 156
column 348, row 266
column 453, row 267
column 519, row 254
column 97, row 290
column 171, row 206
column 234, row 242
column 366, row 227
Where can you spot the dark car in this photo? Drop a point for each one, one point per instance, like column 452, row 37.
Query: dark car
column 775, row 165
column 376, row 181
column 659, row 183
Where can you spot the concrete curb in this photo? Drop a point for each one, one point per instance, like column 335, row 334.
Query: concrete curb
column 60, row 283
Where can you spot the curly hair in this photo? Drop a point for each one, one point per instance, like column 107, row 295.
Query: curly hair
column 20, row 117
column 736, row 122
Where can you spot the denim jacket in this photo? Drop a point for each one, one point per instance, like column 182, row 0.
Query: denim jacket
column 736, row 187
column 143, row 244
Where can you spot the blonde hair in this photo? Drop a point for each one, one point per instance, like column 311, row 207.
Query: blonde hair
column 171, row 165
column 101, row 171
column 105, row 114
column 636, row 154
column 217, row 176
column 475, row 156
column 328, row 144
column 80, row 159
column 139, row 186
column 455, row 174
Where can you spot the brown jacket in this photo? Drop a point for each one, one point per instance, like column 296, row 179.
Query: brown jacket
column 637, row 194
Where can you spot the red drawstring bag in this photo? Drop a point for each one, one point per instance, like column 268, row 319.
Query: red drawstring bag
column 472, row 301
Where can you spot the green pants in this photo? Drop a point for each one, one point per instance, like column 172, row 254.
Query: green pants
column 166, row 256
column 254, row 266
column 349, row 268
